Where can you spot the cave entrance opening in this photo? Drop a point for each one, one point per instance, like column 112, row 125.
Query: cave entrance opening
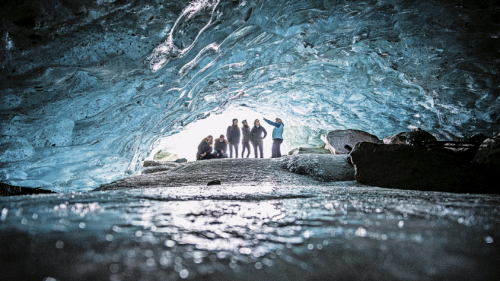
column 185, row 143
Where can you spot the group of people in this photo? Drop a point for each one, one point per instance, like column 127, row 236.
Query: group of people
column 218, row 148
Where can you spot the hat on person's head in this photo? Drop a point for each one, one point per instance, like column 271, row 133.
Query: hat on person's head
column 243, row 122
column 279, row 119
column 235, row 120
column 221, row 136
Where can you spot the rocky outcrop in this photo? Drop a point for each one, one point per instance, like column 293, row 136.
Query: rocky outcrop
column 321, row 167
column 309, row 150
column 407, row 167
column 152, row 166
column 11, row 190
column 489, row 153
column 408, row 137
column 336, row 140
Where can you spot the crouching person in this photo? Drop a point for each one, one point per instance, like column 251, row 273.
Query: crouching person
column 220, row 147
column 205, row 149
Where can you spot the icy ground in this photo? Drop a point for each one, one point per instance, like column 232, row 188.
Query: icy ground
column 262, row 223
column 336, row 231
column 90, row 88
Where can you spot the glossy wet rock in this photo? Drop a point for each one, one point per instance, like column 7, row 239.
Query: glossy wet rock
column 341, row 230
column 406, row 167
column 309, row 150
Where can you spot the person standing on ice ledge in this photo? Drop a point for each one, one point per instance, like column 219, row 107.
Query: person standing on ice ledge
column 233, row 137
column 256, row 137
column 245, row 142
column 277, row 136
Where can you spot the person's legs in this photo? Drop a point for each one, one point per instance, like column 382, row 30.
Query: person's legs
column 261, row 148
column 255, row 144
column 236, row 150
column 280, row 141
column 274, row 149
column 230, row 150
column 215, row 154
column 245, row 145
column 223, row 155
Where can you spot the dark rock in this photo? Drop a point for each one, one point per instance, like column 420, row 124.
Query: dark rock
column 408, row 167
column 478, row 138
column 181, row 160
column 10, row 190
column 337, row 139
column 214, row 182
column 309, row 150
column 321, row 167
column 408, row 137
column 154, row 163
column 489, row 153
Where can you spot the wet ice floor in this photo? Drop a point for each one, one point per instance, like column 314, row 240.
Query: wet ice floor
column 330, row 231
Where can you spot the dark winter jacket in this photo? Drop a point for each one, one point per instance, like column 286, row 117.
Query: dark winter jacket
column 202, row 148
column 219, row 146
column 233, row 136
column 257, row 133
column 245, row 131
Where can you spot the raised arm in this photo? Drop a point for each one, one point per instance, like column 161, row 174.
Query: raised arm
column 272, row 123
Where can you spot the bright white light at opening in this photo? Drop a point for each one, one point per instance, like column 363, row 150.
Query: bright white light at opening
column 185, row 143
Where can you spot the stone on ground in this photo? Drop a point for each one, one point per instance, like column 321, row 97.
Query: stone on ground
column 321, row 167
column 408, row 137
column 407, row 167
column 309, row 150
column 336, row 140
column 489, row 152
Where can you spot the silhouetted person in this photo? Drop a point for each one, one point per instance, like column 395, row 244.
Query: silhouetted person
column 245, row 142
column 205, row 149
column 257, row 138
column 220, row 147
column 233, row 137
column 277, row 136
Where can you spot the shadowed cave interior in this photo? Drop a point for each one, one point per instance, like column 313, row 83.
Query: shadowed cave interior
column 90, row 89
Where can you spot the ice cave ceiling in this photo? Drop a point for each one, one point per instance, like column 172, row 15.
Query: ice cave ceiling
column 89, row 87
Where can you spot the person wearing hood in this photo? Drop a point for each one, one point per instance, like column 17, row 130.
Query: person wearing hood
column 256, row 138
column 220, row 147
column 205, row 149
column 245, row 142
column 277, row 136
column 233, row 137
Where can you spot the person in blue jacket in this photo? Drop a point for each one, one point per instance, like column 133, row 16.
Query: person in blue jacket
column 277, row 136
column 233, row 137
column 256, row 138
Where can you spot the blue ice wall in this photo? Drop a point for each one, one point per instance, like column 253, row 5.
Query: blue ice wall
column 88, row 88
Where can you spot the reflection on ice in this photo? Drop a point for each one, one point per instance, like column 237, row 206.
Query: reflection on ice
column 251, row 232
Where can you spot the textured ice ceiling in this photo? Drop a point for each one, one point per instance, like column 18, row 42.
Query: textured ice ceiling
column 89, row 87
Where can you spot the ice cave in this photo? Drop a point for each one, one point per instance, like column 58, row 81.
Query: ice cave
column 91, row 90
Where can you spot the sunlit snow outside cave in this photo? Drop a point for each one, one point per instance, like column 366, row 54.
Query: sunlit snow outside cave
column 91, row 89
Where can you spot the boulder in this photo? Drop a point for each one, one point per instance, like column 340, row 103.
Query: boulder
column 152, row 166
column 407, row 137
column 309, row 150
column 162, row 155
column 336, row 140
column 321, row 167
column 152, row 163
column 489, row 153
column 11, row 190
column 181, row 160
column 407, row 167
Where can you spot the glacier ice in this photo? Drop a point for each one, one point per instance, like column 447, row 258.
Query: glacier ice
column 89, row 90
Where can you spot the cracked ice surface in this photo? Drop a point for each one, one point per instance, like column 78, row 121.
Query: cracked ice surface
column 89, row 89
